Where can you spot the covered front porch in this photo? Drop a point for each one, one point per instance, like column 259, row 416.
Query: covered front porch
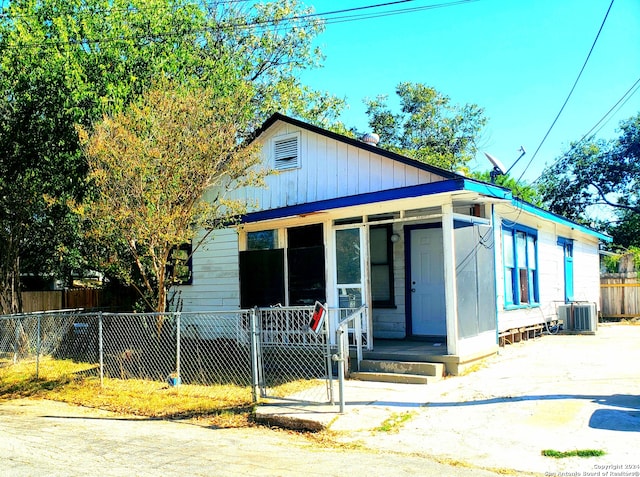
column 422, row 266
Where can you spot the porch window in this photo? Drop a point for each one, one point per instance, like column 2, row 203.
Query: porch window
column 520, row 251
column 262, row 278
column 294, row 275
column 381, row 255
column 305, row 257
column 262, row 240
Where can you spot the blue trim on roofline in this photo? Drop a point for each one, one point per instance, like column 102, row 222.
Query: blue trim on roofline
column 453, row 182
column 459, row 184
column 545, row 214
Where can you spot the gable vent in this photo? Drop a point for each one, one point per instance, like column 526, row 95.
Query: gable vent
column 286, row 152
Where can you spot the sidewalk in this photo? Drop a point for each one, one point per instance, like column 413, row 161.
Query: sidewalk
column 559, row 392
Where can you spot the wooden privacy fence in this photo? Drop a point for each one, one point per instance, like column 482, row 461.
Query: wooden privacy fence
column 620, row 295
column 61, row 299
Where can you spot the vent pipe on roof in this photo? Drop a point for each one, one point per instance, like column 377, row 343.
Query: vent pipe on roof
column 370, row 138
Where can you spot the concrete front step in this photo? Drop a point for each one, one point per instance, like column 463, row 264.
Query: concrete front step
column 387, row 371
column 403, row 367
column 393, row 378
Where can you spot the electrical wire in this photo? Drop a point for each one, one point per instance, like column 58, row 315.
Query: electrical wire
column 618, row 109
column 570, row 93
column 619, row 104
column 264, row 24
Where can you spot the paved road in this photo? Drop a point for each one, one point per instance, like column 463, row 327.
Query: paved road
column 44, row 438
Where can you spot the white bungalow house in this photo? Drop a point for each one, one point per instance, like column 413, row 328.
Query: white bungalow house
column 434, row 255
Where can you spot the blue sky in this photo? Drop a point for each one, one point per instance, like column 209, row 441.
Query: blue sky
column 518, row 59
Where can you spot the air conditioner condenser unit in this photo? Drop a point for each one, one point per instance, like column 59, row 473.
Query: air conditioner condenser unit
column 579, row 317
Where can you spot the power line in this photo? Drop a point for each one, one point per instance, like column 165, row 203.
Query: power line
column 332, row 21
column 265, row 24
column 619, row 104
column 212, row 4
column 569, row 95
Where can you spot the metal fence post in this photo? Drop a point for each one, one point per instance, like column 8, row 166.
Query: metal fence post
column 255, row 382
column 340, row 360
column 178, row 345
column 100, row 349
column 327, row 333
column 16, row 341
column 38, row 345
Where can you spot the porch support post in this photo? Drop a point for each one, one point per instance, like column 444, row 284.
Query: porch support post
column 450, row 294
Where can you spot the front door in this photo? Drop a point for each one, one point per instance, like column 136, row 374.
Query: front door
column 426, row 290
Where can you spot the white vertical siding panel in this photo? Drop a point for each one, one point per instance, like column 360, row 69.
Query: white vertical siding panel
column 411, row 176
column 352, row 172
column 321, row 173
column 375, row 172
column 398, row 175
column 424, row 177
column 331, row 169
column 387, row 173
column 364, row 172
column 307, row 163
column 342, row 157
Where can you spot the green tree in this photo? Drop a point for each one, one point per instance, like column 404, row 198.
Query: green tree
column 151, row 166
column 428, row 127
column 597, row 179
column 67, row 62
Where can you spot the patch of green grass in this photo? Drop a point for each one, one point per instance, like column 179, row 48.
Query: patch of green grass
column 573, row 453
column 394, row 422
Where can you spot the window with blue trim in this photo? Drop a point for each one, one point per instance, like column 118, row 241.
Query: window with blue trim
column 520, row 253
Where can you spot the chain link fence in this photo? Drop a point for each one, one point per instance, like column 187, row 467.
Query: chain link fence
column 291, row 352
column 271, row 350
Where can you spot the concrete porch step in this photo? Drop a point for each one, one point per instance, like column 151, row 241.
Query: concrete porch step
column 393, row 377
column 402, row 367
column 399, row 371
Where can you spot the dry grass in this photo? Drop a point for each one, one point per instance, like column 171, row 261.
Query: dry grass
column 78, row 383
column 631, row 321
column 294, row 387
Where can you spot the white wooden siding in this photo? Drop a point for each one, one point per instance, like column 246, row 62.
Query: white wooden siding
column 586, row 283
column 328, row 169
column 216, row 275
column 586, row 270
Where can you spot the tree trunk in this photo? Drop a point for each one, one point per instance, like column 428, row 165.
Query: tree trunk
column 10, row 293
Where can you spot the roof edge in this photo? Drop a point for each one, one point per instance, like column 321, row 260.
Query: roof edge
column 534, row 209
column 352, row 142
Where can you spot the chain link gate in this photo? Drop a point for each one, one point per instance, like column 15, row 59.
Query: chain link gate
column 291, row 353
